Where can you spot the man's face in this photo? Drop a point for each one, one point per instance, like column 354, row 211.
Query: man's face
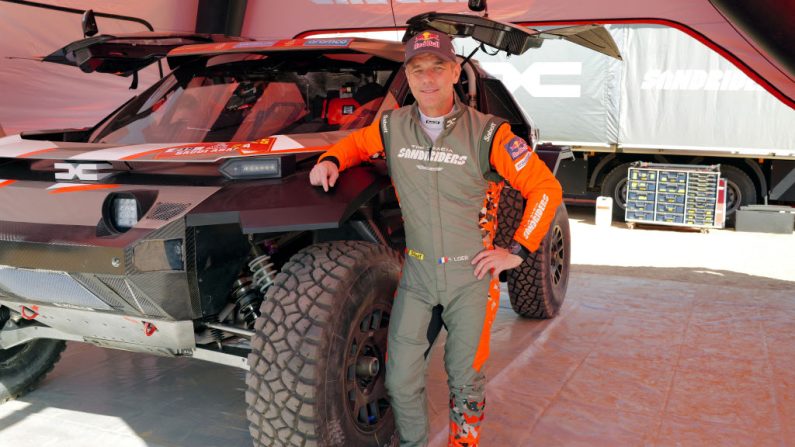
column 431, row 81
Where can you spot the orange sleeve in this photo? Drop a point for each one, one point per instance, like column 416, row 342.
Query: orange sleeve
column 359, row 146
column 513, row 159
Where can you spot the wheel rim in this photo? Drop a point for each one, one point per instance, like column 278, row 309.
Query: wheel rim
column 734, row 197
column 621, row 194
column 557, row 255
column 365, row 372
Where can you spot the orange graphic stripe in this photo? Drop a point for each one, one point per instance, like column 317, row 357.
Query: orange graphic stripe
column 143, row 154
column 6, row 182
column 493, row 303
column 77, row 188
column 40, row 151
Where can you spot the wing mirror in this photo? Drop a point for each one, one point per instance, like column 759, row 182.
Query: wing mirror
column 89, row 23
column 477, row 5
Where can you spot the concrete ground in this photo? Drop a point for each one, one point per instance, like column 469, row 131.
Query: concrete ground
column 666, row 338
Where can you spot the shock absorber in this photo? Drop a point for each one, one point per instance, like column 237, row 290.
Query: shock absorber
column 247, row 300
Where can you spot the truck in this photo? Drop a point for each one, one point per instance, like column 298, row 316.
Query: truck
column 670, row 99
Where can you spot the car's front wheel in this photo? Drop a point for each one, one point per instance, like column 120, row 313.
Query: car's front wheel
column 317, row 366
column 22, row 367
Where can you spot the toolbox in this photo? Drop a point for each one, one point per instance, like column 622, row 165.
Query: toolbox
column 766, row 219
column 680, row 195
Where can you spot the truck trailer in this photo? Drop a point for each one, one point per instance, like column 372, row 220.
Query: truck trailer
column 671, row 99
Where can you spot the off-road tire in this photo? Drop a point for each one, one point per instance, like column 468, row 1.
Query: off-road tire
column 740, row 190
column 614, row 186
column 23, row 367
column 538, row 286
column 329, row 305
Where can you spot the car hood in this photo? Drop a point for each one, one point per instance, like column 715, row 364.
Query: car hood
column 18, row 147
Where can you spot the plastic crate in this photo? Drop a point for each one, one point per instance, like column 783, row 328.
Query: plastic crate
column 675, row 195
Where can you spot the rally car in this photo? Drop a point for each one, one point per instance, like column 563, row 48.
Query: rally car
column 184, row 225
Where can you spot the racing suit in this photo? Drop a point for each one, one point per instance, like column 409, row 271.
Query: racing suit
column 449, row 208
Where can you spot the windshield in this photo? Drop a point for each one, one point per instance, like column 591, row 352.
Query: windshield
column 245, row 97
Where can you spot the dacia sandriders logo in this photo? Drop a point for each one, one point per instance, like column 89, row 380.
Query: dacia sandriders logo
column 426, row 39
column 436, row 155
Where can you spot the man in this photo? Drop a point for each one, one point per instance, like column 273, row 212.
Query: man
column 441, row 155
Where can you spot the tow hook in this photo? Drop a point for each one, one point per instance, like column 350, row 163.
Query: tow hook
column 29, row 313
column 149, row 328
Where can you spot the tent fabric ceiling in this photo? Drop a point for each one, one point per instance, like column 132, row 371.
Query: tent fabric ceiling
column 37, row 96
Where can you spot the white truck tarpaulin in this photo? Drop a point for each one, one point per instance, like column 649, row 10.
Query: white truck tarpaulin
column 670, row 91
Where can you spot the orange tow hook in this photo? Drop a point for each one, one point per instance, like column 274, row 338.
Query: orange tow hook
column 30, row 313
column 149, row 328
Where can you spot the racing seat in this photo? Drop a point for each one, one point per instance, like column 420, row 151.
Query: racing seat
column 362, row 116
column 280, row 105
column 337, row 110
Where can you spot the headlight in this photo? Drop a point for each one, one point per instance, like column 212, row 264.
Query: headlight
column 254, row 168
column 122, row 210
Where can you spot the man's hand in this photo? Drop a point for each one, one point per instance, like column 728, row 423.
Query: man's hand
column 324, row 174
column 495, row 261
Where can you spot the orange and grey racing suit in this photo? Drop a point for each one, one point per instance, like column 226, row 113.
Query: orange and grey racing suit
column 448, row 198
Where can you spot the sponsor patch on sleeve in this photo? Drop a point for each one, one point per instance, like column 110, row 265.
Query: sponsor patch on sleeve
column 516, row 148
column 523, row 162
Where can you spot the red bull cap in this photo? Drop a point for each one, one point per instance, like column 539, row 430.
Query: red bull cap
column 432, row 42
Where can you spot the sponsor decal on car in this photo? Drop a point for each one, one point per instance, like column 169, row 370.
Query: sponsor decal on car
column 200, row 150
column 327, row 42
column 258, row 44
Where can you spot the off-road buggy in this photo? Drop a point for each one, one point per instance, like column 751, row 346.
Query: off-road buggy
column 183, row 224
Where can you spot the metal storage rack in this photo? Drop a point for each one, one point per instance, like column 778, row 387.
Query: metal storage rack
column 679, row 195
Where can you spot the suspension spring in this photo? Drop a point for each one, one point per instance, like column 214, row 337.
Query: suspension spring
column 264, row 273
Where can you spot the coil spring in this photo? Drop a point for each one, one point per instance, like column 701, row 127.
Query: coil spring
column 218, row 335
column 264, row 273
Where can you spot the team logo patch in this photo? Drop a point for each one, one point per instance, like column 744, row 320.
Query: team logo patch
column 426, row 39
column 516, row 148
